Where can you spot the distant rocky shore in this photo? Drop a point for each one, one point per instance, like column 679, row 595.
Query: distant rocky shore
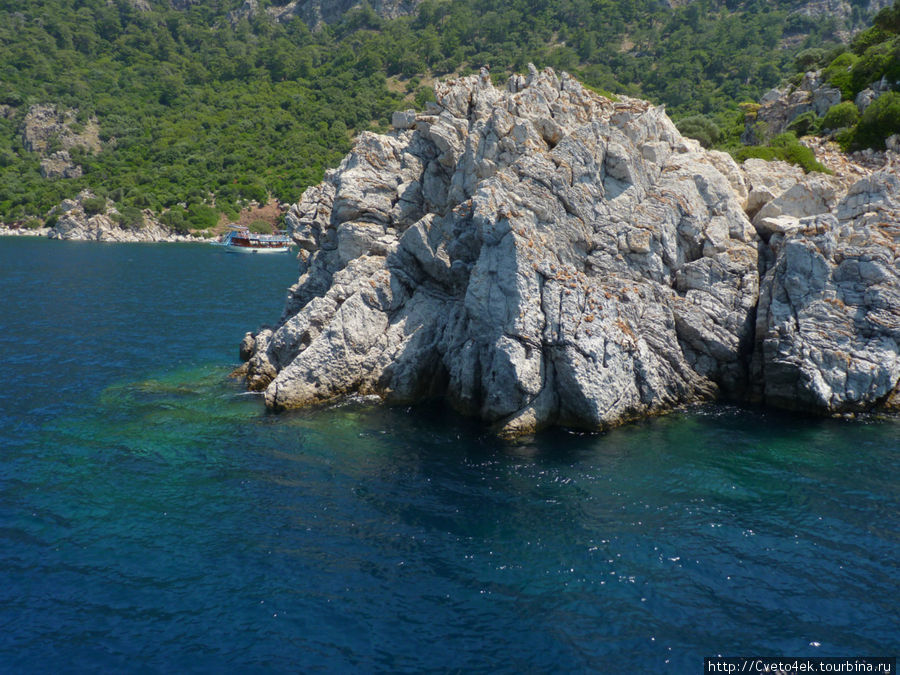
column 89, row 218
column 540, row 255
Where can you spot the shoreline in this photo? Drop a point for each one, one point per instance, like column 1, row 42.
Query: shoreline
column 126, row 238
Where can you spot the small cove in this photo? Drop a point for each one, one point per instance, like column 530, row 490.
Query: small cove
column 153, row 514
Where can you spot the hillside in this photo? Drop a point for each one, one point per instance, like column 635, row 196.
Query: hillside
column 198, row 108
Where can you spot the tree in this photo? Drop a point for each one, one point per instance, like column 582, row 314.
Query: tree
column 880, row 120
column 840, row 116
column 700, row 128
column 93, row 205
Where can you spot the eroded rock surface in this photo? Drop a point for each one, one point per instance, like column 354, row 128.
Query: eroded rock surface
column 536, row 255
column 51, row 132
column 45, row 125
column 541, row 255
column 73, row 222
column 828, row 324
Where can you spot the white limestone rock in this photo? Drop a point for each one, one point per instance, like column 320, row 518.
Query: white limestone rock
column 767, row 180
column 60, row 165
column 541, row 255
column 535, row 255
column 828, row 325
column 73, row 223
column 811, row 195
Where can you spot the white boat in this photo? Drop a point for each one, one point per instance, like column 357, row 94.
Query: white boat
column 241, row 240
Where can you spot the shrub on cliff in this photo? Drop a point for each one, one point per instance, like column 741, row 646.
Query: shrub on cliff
column 840, row 116
column 254, row 191
column 867, row 38
column 700, row 128
column 837, row 74
column 787, row 148
column 878, row 61
column 808, row 58
column 175, row 218
column 805, row 124
column 881, row 119
column 791, row 150
column 201, row 217
column 888, row 19
column 131, row 218
column 94, row 205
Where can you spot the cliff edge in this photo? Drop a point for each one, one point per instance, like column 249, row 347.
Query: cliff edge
column 542, row 255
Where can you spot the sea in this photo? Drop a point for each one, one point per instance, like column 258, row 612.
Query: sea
column 154, row 517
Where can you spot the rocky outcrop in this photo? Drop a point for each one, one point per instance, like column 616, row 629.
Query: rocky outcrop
column 536, row 255
column 45, row 124
column 828, row 324
column 840, row 10
column 18, row 231
column 767, row 180
column 779, row 107
column 73, row 222
column 60, row 165
column 316, row 12
column 542, row 255
column 51, row 133
column 870, row 94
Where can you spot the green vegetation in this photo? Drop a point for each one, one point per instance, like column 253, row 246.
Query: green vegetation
column 838, row 73
column 191, row 110
column 94, row 205
column 201, row 111
column 840, row 116
column 131, row 218
column 785, row 147
column 880, row 120
column 260, row 227
column 874, row 54
column 807, row 123
column 701, row 128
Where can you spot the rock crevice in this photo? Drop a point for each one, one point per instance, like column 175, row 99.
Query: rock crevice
column 543, row 255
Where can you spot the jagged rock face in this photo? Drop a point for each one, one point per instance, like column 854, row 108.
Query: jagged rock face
column 44, row 123
column 840, row 11
column 60, row 165
column 780, row 107
column 828, row 325
column 73, row 223
column 535, row 255
column 44, row 126
column 317, row 12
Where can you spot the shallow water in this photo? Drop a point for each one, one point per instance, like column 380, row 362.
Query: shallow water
column 154, row 517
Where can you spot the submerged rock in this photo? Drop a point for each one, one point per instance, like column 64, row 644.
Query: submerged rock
column 541, row 255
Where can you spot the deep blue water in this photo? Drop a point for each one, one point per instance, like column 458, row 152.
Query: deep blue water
column 153, row 517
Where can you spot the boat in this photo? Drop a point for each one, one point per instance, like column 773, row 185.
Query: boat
column 241, row 240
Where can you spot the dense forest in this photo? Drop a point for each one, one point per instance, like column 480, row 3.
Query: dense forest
column 204, row 107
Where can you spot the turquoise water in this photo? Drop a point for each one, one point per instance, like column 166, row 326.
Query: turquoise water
column 154, row 517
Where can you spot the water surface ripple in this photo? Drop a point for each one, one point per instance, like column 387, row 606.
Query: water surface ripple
column 154, row 517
